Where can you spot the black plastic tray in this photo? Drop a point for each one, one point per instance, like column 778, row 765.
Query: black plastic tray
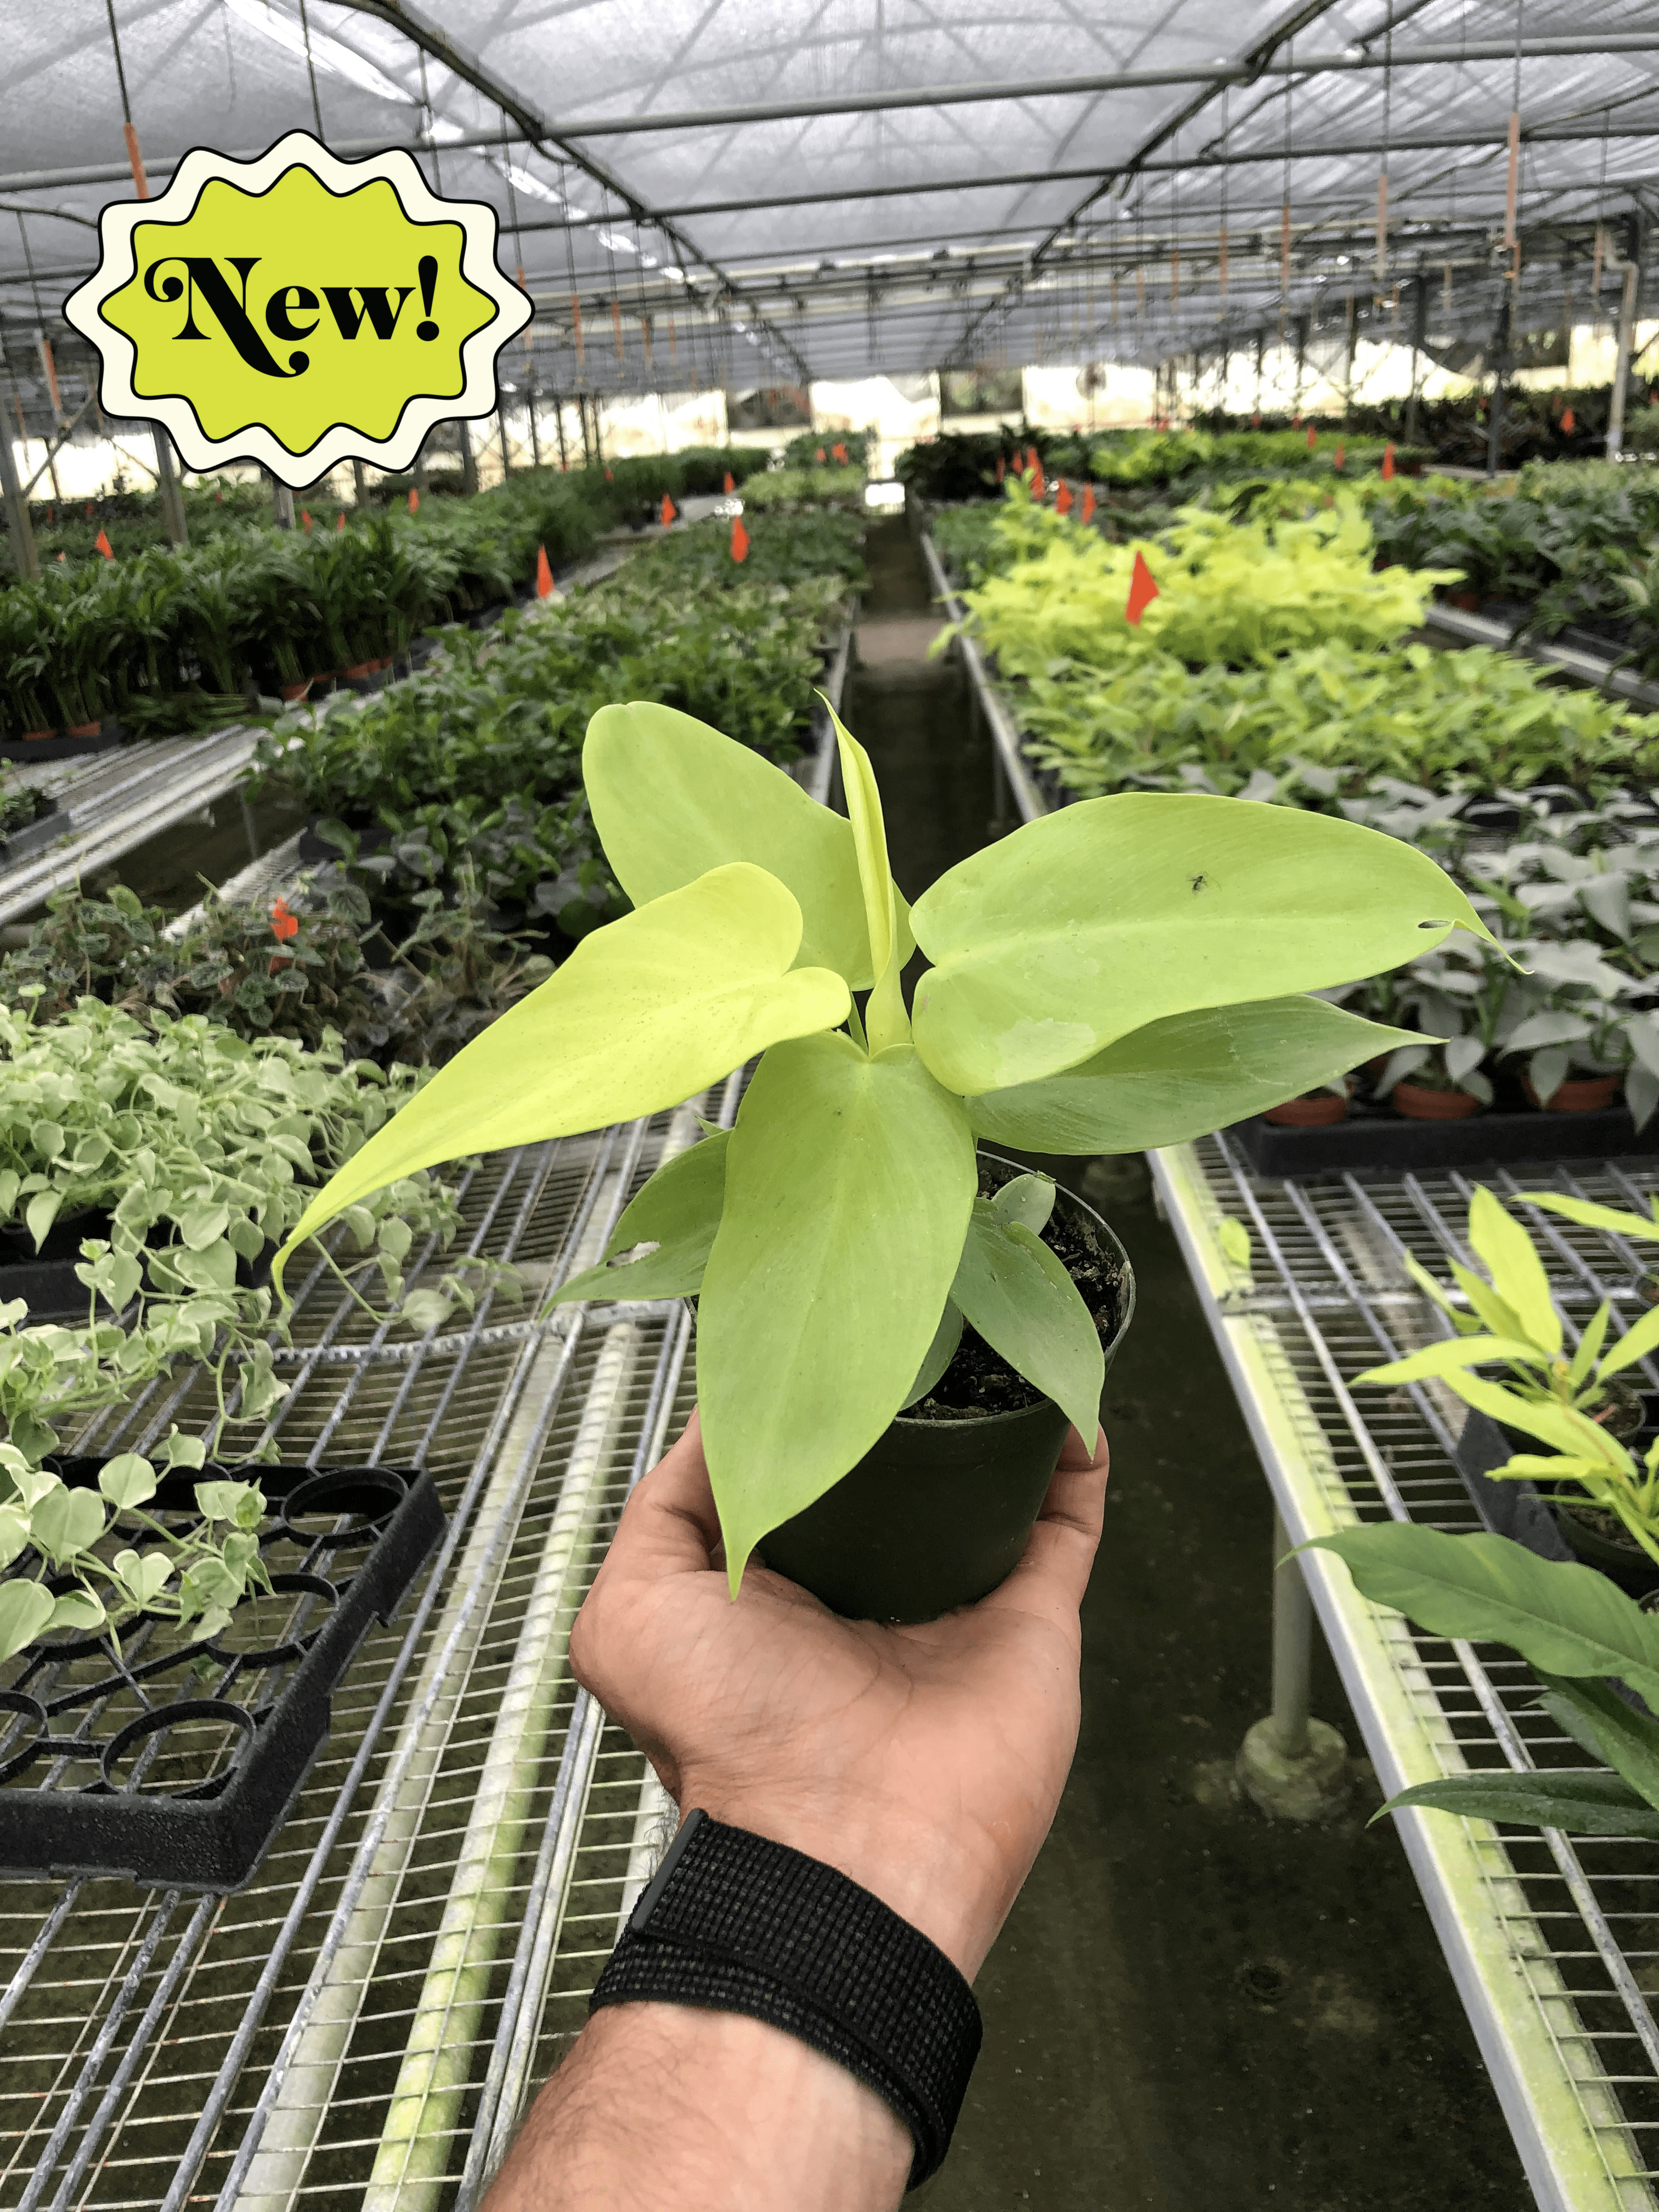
column 85, row 1784
column 61, row 746
column 1395, row 1146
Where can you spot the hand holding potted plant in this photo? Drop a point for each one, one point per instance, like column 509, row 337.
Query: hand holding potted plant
column 1127, row 973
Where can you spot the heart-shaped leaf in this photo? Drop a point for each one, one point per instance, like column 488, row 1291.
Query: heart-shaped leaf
column 25, row 1610
column 1017, row 1294
column 678, row 1210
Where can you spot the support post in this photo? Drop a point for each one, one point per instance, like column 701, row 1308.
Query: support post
column 507, row 459
column 1621, row 365
column 1301, row 362
column 1293, row 1767
column 19, row 528
column 282, row 500
column 1500, row 369
column 1419, row 333
column 172, row 494
column 469, row 459
column 359, row 484
column 535, row 429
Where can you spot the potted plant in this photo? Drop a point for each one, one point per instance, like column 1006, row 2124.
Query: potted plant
column 1585, row 1641
column 1125, row 973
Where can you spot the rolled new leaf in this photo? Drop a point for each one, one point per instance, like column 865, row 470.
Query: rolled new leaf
column 1517, row 1273
column 645, row 1012
column 1093, row 922
column 848, row 1185
column 1183, row 1077
column 1563, row 1618
column 677, row 1211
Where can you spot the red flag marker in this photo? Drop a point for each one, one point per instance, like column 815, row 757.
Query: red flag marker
column 731, row 482
column 1313, row 437
column 668, row 510
column 838, row 452
column 101, row 542
column 284, row 924
column 739, row 539
column 1002, row 470
column 1567, row 422
column 1085, row 512
column 305, row 517
column 1039, row 482
column 1340, row 450
column 1142, row 590
column 1388, row 460
column 1063, row 498
column 818, row 453
column 414, row 499
column 545, row 586
column 339, row 521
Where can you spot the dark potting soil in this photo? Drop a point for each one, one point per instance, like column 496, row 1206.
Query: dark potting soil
column 979, row 1383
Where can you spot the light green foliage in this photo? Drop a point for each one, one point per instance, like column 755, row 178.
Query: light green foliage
column 644, row 1013
column 784, row 491
column 1090, row 923
column 1228, row 592
column 1234, row 1237
column 192, row 1575
column 848, row 1186
column 679, row 1212
column 1017, row 1293
column 1183, row 1077
column 671, row 799
column 1579, row 1633
column 845, row 1194
column 1510, row 1317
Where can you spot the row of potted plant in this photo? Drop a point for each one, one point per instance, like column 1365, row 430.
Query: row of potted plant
column 472, row 766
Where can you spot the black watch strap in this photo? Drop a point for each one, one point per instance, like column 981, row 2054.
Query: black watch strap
column 735, row 1923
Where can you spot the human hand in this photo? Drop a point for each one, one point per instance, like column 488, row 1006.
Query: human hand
column 926, row 1762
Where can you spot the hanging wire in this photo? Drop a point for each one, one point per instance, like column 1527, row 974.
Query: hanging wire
column 311, row 69
column 576, row 294
column 140, row 181
column 431, row 123
column 1382, row 173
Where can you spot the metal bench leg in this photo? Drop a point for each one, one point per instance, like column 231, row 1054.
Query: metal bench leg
column 1293, row 1767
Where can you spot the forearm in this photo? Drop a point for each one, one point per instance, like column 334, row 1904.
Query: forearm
column 667, row 2108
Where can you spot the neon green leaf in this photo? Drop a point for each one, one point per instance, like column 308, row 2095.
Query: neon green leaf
column 1017, row 1294
column 1184, row 1077
column 848, row 1185
column 1545, row 1418
column 677, row 1211
column 644, row 1012
column 671, row 799
column 1517, row 1273
column 1636, row 1344
column 1589, row 1215
column 24, row 1609
column 1448, row 1355
column 1118, row 911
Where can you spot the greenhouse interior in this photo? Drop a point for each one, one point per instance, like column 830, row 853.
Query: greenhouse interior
column 930, row 748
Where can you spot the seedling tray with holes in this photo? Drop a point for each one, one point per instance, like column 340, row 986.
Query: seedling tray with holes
column 177, row 1764
column 1394, row 1146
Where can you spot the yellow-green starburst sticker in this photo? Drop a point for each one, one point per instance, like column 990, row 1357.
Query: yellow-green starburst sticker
column 298, row 310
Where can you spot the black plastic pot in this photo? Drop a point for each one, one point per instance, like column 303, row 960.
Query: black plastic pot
column 937, row 1513
column 1394, row 1146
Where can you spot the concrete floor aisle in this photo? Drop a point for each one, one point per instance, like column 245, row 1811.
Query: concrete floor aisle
column 1190, row 2007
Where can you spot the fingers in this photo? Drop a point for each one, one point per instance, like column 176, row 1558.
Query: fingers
column 669, row 1526
column 1053, row 1570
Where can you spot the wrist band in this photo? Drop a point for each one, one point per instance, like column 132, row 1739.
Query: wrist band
column 735, row 1923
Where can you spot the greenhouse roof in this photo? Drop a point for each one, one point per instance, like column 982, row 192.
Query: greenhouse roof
column 706, row 192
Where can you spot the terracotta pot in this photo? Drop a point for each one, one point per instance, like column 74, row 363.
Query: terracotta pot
column 1579, row 1094
column 1468, row 601
column 83, row 729
column 36, row 736
column 1316, row 1109
column 293, row 691
column 365, row 668
column 1419, row 1103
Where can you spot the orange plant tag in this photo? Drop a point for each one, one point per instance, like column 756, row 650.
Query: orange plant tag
column 739, row 539
column 668, row 510
column 545, row 586
column 101, row 541
column 1142, row 590
column 1063, row 498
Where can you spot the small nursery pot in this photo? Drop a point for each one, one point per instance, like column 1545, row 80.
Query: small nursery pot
column 937, row 1512
column 1420, row 1104
column 1598, row 1539
column 1315, row 1110
column 1579, row 1094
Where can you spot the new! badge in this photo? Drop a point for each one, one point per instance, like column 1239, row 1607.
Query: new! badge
column 298, row 310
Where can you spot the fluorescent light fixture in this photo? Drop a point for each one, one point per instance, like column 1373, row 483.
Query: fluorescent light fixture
column 327, row 54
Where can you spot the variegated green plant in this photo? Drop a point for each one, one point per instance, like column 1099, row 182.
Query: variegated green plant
column 1125, row 973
